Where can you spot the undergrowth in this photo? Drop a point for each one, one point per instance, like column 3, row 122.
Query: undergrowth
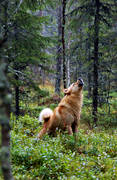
column 91, row 155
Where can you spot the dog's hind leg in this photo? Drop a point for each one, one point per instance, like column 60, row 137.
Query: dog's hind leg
column 69, row 128
column 76, row 129
column 42, row 132
column 52, row 132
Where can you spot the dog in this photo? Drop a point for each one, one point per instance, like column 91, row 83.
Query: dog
column 66, row 115
column 45, row 115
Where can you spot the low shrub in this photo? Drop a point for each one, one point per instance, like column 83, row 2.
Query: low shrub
column 89, row 155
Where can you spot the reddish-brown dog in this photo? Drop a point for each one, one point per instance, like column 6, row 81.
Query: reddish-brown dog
column 67, row 114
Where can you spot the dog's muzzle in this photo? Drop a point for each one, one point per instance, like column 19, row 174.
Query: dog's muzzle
column 81, row 83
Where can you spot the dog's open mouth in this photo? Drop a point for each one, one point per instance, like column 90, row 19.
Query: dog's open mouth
column 81, row 83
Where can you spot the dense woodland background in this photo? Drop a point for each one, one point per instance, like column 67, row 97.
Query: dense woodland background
column 45, row 46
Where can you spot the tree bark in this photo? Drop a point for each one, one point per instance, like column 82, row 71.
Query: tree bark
column 68, row 72
column 3, row 41
column 16, row 67
column 5, row 105
column 5, row 108
column 89, row 84
column 63, row 42
column 68, row 60
column 59, row 52
column 17, row 109
column 6, row 167
column 88, row 55
column 95, row 65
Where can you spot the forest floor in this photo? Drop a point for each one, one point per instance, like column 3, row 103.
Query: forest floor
column 93, row 156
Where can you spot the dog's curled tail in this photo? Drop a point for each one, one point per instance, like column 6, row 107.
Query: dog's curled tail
column 45, row 115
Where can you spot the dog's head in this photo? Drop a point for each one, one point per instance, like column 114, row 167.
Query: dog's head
column 75, row 88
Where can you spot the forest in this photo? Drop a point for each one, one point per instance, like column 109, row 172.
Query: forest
column 45, row 47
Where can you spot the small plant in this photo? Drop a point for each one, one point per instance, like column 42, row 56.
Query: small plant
column 91, row 155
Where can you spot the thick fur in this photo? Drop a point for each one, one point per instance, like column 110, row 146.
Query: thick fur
column 45, row 114
column 67, row 114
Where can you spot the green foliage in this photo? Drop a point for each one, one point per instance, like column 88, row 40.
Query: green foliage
column 107, row 114
column 30, row 100
column 91, row 155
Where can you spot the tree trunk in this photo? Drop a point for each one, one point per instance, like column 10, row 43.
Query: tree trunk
column 89, row 84
column 59, row 52
column 68, row 72
column 63, row 42
column 68, row 61
column 95, row 65
column 5, row 104
column 6, row 167
column 16, row 64
column 88, row 55
column 17, row 109
column 5, row 107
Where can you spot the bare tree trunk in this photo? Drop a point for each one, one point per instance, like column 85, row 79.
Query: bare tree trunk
column 68, row 61
column 89, row 84
column 89, row 66
column 6, row 167
column 68, row 72
column 16, row 67
column 59, row 52
column 2, row 42
column 5, row 107
column 16, row 77
column 17, row 109
column 63, row 42
column 95, row 66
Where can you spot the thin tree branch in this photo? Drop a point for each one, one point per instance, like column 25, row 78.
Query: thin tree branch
column 18, row 7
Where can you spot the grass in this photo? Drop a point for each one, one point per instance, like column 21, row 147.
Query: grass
column 90, row 156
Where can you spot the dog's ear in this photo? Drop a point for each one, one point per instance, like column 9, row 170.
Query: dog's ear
column 67, row 91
